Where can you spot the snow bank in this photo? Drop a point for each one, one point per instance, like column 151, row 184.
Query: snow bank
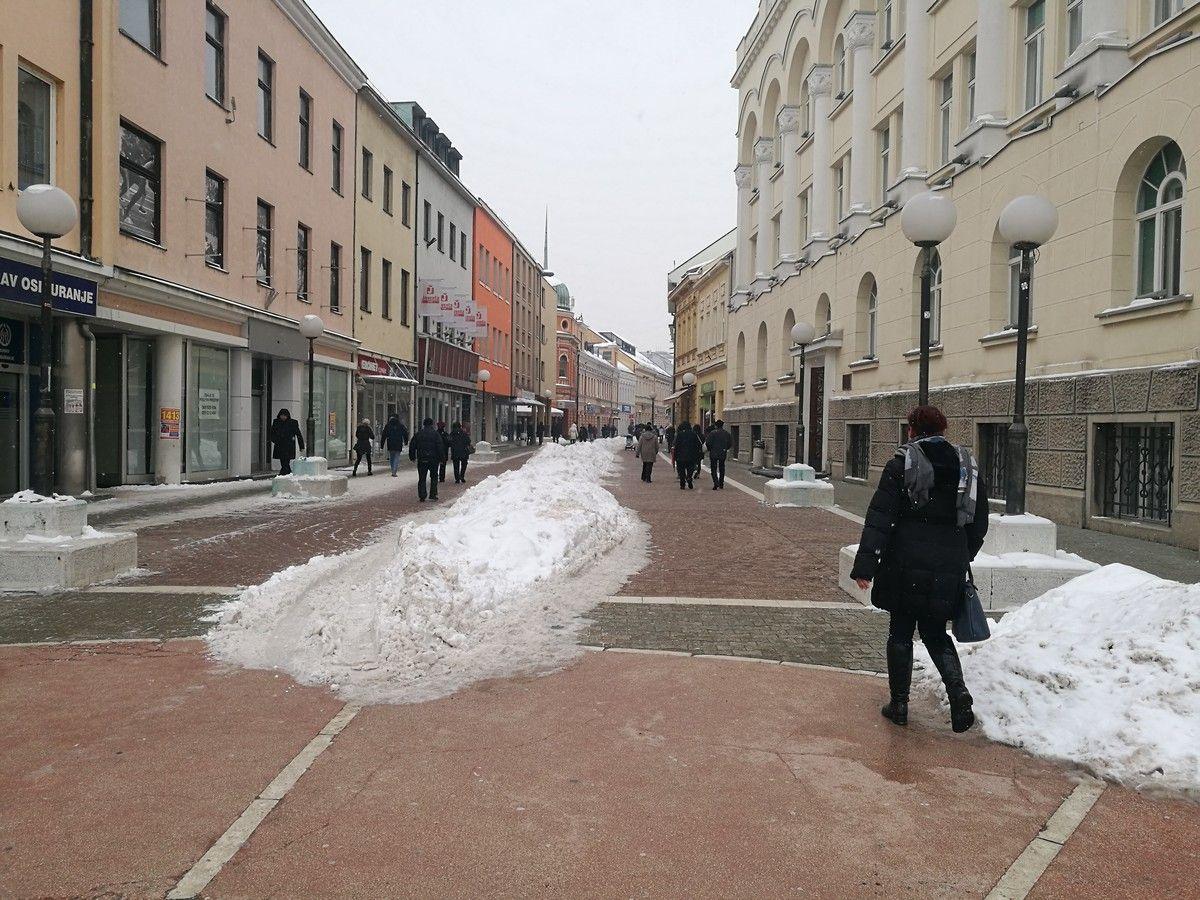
column 1103, row 671
column 493, row 587
column 35, row 497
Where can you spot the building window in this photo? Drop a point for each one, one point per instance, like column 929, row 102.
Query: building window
column 946, row 116
column 873, row 321
column 562, row 367
column 303, row 242
column 428, row 212
column 1160, row 224
column 1074, row 25
column 1165, row 9
column 338, row 138
column 368, row 162
column 385, row 288
column 839, row 189
column 840, row 83
column 214, row 219
column 35, row 130
column 335, row 278
column 214, row 53
column 140, row 22
column 804, row 215
column 972, row 60
column 305, row 131
column 405, row 198
column 935, row 298
column 266, row 96
column 1035, row 51
column 140, row 186
column 885, row 162
column 441, row 233
column 387, row 190
column 462, row 250
column 993, row 455
column 858, row 450
column 778, row 232
column 1014, row 288
column 806, row 110
column 364, row 280
column 453, row 242
column 1134, row 473
column 887, row 10
column 404, row 280
column 262, row 244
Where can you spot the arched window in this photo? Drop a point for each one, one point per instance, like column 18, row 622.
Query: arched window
column 1160, row 224
column 872, row 321
column 789, row 320
column 806, row 109
column 739, row 367
column 839, row 68
column 562, row 366
column 760, row 368
column 824, row 315
column 935, row 298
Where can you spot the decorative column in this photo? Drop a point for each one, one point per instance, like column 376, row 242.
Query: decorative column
column 986, row 133
column 1102, row 57
column 914, row 139
column 790, row 238
column 168, row 401
column 240, row 451
column 820, row 211
column 860, row 38
column 764, row 165
column 743, row 265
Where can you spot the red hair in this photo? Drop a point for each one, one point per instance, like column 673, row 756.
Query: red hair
column 926, row 421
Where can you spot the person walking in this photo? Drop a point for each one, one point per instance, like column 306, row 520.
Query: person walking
column 573, row 433
column 285, row 435
column 442, row 433
column 688, row 453
column 393, row 438
column 541, row 432
column 699, row 430
column 555, row 430
column 925, row 524
column 460, row 452
column 717, row 443
column 364, row 435
column 426, row 449
column 647, row 451
column 669, row 437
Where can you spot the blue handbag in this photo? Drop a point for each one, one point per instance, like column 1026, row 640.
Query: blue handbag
column 970, row 623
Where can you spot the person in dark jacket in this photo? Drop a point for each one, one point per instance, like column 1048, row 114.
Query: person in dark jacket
column 669, row 437
column 916, row 546
column 285, row 435
column 426, row 449
column 541, row 432
column 699, row 430
column 460, row 452
column 393, row 439
column 688, row 452
column 363, row 436
column 717, row 443
column 445, row 436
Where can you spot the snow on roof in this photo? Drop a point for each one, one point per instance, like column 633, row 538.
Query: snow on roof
column 622, row 367
column 644, row 360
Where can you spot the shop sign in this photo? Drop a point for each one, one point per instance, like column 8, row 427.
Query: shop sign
column 12, row 341
column 23, row 284
column 168, row 423
column 372, row 365
column 73, row 401
column 209, row 405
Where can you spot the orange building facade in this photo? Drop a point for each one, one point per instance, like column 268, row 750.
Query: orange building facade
column 492, row 291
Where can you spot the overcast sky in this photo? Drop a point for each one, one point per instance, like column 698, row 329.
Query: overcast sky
column 617, row 114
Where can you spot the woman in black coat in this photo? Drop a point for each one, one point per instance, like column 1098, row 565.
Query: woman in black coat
column 285, row 435
column 363, row 436
column 460, row 452
column 916, row 547
column 689, row 450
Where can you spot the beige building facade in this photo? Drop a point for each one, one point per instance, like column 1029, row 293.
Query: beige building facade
column 849, row 109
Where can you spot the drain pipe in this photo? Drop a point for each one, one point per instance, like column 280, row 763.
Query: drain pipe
column 86, row 87
column 90, row 403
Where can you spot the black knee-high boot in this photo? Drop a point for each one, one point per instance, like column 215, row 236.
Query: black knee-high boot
column 899, row 664
column 945, row 658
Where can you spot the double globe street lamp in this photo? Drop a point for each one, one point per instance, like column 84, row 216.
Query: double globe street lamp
column 1026, row 223
column 47, row 212
column 802, row 334
column 927, row 220
column 311, row 327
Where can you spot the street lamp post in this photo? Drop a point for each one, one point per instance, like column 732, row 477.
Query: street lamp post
column 1026, row 223
column 802, row 334
column 484, row 377
column 311, row 327
column 927, row 220
column 689, row 382
column 47, row 212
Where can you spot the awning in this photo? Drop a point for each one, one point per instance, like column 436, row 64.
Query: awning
column 523, row 409
column 556, row 412
column 676, row 395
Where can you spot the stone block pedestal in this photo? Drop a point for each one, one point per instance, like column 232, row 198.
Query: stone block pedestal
column 310, row 480
column 798, row 487
column 484, row 453
column 46, row 544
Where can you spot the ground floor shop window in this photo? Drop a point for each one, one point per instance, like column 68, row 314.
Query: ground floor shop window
column 207, row 427
column 993, row 440
column 331, row 412
column 858, row 450
column 1134, row 472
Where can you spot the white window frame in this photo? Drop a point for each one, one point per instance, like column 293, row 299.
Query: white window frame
column 1164, row 10
column 946, row 116
column 804, row 209
column 1035, row 56
column 972, row 64
column 873, row 321
column 1074, row 29
column 1163, row 251
column 840, row 69
column 51, row 119
column 1014, row 288
column 839, row 188
column 885, row 160
column 886, row 10
column 936, row 277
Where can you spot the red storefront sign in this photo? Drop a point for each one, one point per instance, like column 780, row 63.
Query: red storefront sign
column 445, row 364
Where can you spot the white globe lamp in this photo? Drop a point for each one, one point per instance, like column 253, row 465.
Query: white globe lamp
column 928, row 219
column 47, row 211
column 1029, row 221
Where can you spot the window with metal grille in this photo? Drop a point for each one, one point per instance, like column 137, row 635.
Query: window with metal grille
column 993, row 440
column 858, row 450
column 1134, row 473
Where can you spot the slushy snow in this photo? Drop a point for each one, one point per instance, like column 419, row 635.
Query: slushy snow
column 1103, row 671
column 493, row 587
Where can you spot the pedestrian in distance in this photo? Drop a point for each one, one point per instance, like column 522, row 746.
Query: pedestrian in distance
column 647, row 451
column 573, row 433
column 393, row 438
column 699, row 430
column 718, row 443
column 669, row 437
column 925, row 524
column 688, row 452
column 541, row 432
column 461, row 449
column 425, row 449
column 285, row 435
column 445, row 436
column 364, row 436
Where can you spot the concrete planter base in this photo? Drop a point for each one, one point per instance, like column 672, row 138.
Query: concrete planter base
column 71, row 562
column 484, row 453
column 310, row 480
column 780, row 492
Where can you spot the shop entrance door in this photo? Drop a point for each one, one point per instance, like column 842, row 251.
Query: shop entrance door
column 10, row 433
column 260, row 413
column 110, row 362
column 816, row 418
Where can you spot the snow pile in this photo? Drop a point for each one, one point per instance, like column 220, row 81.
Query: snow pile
column 35, row 497
column 493, row 587
column 1103, row 671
